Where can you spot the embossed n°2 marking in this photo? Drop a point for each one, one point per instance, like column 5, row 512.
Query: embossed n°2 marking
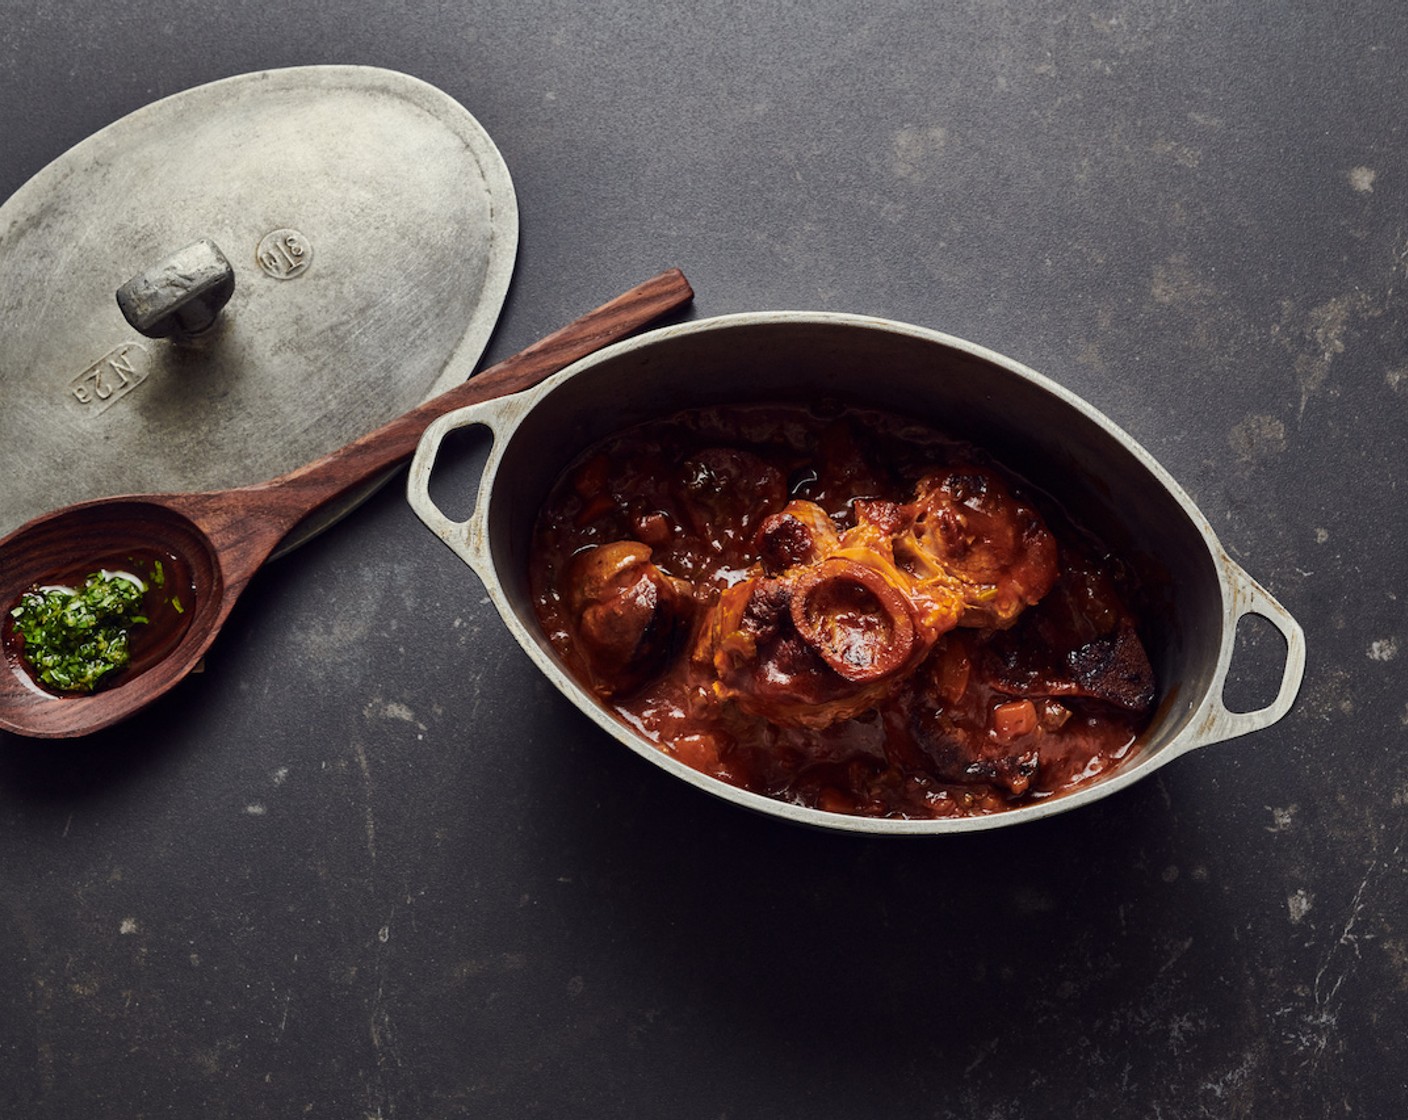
column 111, row 378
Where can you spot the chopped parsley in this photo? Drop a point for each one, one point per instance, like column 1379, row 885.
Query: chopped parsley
column 75, row 637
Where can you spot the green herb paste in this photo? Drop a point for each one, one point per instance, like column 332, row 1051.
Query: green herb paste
column 75, row 637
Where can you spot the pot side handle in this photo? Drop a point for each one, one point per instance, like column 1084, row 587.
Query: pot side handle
column 1250, row 598
column 467, row 539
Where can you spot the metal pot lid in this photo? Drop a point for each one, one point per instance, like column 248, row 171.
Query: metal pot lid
column 368, row 226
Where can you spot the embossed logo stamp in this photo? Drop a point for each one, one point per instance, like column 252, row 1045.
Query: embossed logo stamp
column 111, row 378
column 284, row 254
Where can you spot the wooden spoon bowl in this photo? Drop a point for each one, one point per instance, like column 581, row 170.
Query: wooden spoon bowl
column 61, row 548
column 211, row 544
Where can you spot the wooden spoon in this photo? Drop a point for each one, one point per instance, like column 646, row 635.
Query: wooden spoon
column 215, row 542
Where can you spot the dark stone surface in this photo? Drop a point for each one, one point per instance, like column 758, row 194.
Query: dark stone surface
column 370, row 865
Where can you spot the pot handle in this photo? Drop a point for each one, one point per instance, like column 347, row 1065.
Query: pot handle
column 1250, row 598
column 467, row 539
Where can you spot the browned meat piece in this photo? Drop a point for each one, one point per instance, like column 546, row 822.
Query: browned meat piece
column 860, row 624
column 821, row 644
column 628, row 615
column 799, row 533
column 749, row 644
column 966, row 526
column 957, row 734
column 1078, row 642
column 968, row 760
column 725, row 493
column 1114, row 669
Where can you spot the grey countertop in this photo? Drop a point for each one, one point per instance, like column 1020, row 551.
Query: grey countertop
column 370, row 865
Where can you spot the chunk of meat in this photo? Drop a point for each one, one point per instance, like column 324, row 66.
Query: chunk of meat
column 627, row 614
column 832, row 626
column 799, row 533
column 935, row 598
column 807, row 652
column 964, row 734
column 725, row 494
column 861, row 624
column 1078, row 642
column 967, row 527
column 1114, row 668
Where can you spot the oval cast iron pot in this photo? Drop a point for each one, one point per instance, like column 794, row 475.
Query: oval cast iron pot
column 1052, row 438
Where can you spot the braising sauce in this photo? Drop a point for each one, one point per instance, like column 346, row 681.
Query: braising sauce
column 842, row 610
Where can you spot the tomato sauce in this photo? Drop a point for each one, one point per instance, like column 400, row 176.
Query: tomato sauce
column 841, row 609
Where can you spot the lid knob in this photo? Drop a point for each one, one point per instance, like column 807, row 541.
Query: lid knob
column 181, row 296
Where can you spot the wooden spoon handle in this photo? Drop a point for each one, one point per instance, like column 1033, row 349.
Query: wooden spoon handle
column 286, row 500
